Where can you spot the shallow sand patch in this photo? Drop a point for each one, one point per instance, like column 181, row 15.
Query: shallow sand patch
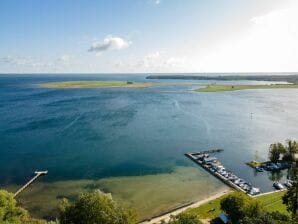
column 149, row 195
column 94, row 84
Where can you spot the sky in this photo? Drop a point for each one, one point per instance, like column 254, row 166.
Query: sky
column 148, row 36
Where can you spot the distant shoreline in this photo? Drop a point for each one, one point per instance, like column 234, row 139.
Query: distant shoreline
column 225, row 88
column 270, row 78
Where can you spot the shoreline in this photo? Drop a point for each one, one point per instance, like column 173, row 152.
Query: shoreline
column 229, row 88
column 189, row 185
column 166, row 216
column 94, row 84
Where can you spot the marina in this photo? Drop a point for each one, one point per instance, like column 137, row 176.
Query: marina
column 213, row 166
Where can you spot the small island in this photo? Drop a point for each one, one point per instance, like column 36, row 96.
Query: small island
column 94, row 84
column 224, row 88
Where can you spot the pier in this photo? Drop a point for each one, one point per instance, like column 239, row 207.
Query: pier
column 37, row 174
column 214, row 167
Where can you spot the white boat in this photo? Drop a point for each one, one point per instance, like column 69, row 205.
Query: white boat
column 278, row 186
column 254, row 191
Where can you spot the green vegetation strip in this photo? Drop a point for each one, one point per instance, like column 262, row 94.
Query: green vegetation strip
column 94, row 84
column 208, row 210
column 224, row 88
column 271, row 202
column 254, row 164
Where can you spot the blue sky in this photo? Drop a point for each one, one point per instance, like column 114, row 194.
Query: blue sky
column 148, row 36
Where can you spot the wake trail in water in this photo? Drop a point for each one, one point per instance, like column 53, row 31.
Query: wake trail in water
column 71, row 123
column 195, row 115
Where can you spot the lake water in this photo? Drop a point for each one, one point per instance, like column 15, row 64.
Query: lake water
column 119, row 136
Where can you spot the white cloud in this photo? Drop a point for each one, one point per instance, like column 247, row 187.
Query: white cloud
column 154, row 2
column 109, row 43
column 269, row 44
column 21, row 61
column 66, row 58
column 152, row 62
column 157, row 2
column 32, row 64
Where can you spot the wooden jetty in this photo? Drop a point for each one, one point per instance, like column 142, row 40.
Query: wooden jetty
column 37, row 174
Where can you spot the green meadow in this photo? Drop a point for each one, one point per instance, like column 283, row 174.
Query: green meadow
column 271, row 202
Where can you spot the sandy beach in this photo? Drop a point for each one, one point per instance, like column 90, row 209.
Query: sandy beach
column 166, row 217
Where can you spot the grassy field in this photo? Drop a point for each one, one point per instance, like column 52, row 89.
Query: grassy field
column 223, row 88
column 208, row 210
column 271, row 202
column 94, row 84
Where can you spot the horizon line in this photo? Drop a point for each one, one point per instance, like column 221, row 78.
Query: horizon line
column 136, row 73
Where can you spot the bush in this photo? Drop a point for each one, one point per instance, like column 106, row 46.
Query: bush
column 95, row 208
column 10, row 213
column 234, row 206
column 185, row 218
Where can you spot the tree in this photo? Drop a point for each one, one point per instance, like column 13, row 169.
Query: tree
column 95, row 208
column 290, row 199
column 11, row 213
column 234, row 206
column 238, row 206
column 185, row 218
column 275, row 151
column 291, row 149
column 253, row 208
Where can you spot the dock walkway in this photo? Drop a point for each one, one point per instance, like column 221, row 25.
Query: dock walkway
column 37, row 174
column 193, row 157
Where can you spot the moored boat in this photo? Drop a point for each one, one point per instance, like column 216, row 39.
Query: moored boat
column 278, row 186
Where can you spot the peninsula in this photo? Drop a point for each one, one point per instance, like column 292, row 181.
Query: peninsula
column 94, row 84
column 224, row 88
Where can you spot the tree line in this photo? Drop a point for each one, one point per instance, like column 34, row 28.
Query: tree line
column 288, row 152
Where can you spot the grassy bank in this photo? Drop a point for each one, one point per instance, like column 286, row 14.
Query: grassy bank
column 271, row 202
column 223, row 88
column 94, row 84
column 208, row 210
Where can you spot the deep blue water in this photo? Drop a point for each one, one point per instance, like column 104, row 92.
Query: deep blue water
column 95, row 133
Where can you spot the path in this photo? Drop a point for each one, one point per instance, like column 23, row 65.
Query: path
column 166, row 217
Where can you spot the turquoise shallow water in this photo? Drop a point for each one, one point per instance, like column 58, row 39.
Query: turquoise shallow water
column 95, row 133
